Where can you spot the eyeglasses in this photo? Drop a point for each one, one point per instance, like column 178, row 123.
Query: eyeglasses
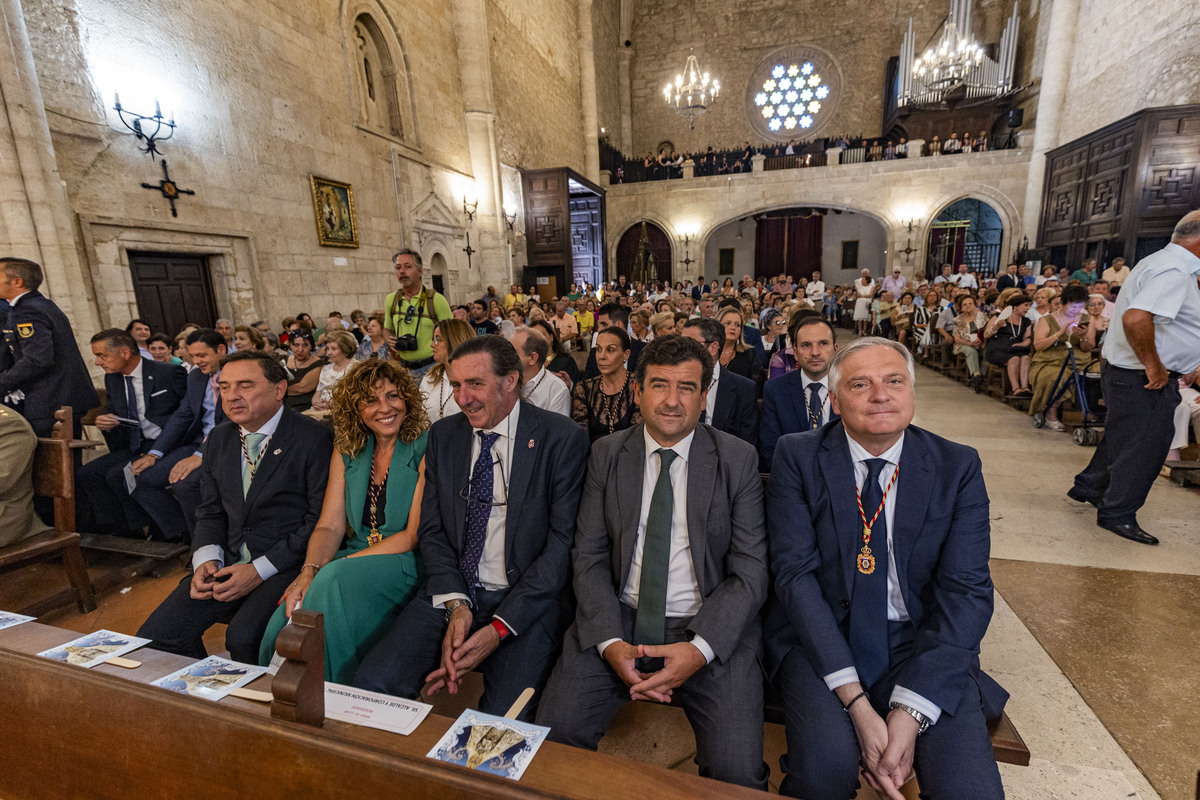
column 465, row 492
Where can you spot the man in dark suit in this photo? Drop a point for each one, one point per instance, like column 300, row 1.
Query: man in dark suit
column 41, row 368
column 262, row 485
column 799, row 400
column 881, row 600
column 142, row 396
column 730, row 404
column 670, row 572
column 177, row 452
column 502, row 485
column 1010, row 279
column 608, row 315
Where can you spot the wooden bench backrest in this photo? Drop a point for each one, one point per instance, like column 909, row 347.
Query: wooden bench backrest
column 54, row 470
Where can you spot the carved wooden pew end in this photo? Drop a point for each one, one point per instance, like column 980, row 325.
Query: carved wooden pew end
column 299, row 685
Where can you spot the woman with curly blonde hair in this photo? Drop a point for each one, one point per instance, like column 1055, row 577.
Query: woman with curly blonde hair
column 362, row 566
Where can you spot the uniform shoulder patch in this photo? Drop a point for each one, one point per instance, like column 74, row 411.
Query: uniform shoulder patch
column 25, row 329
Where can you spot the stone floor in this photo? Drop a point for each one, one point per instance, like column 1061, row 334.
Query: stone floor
column 1094, row 636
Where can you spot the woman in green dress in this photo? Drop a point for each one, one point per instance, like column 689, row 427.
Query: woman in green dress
column 361, row 578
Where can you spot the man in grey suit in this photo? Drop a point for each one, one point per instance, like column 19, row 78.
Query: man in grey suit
column 670, row 573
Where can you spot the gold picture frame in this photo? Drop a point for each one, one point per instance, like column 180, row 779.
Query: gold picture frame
column 333, row 210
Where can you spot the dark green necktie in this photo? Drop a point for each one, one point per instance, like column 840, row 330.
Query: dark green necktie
column 656, row 557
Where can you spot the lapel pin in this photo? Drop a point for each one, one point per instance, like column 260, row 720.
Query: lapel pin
column 277, row 451
column 531, row 444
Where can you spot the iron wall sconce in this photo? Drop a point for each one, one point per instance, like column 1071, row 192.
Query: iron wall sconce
column 140, row 125
column 469, row 208
column 510, row 218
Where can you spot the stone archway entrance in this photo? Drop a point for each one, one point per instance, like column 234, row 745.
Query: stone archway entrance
column 968, row 231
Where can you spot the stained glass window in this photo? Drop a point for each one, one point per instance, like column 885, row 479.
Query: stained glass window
column 786, row 95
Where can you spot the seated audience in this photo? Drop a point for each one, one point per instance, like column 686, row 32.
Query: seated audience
column 1187, row 410
column 542, row 388
column 730, row 403
column 609, row 315
column 448, row 334
column 305, row 368
column 264, row 481
column 650, row 625
column 374, row 343
column 139, row 329
column 662, row 323
column 142, row 396
column 868, row 664
column 799, row 401
column 340, row 349
column 605, row 404
column 736, row 355
column 247, row 338
column 1009, row 336
column 160, row 347
column 968, row 339
column 362, row 564
column 902, row 317
column 1050, row 353
column 18, row 442
column 560, row 363
column 497, row 598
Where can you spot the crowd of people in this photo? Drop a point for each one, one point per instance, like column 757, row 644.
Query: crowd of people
column 454, row 493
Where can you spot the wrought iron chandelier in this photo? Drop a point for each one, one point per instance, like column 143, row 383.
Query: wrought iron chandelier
column 956, row 71
column 692, row 92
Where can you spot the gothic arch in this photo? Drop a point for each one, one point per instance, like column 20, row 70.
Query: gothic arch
column 377, row 68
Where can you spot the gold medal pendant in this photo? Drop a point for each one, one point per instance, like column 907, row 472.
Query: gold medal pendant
column 375, row 537
column 866, row 561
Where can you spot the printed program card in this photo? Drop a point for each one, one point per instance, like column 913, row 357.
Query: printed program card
column 495, row 745
column 373, row 710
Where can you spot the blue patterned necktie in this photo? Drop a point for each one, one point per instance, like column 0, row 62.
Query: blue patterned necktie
column 868, row 602
column 815, row 409
column 479, row 508
column 650, row 623
column 135, row 436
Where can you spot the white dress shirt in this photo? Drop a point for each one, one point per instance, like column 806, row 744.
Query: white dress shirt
column 1163, row 284
column 439, row 397
column 823, row 393
column 548, row 392
column 149, row 429
column 683, row 590
column 492, row 574
column 214, row 552
column 815, row 291
column 896, row 610
column 710, row 399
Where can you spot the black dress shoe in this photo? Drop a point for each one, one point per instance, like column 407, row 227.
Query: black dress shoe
column 1132, row 532
column 1080, row 497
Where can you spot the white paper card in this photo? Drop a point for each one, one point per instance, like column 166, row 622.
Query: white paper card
column 130, row 478
column 8, row 619
column 373, row 710
column 95, row 648
column 490, row 744
column 210, row 679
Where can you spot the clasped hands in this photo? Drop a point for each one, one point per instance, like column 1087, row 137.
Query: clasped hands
column 461, row 654
column 680, row 661
column 209, row 581
column 886, row 747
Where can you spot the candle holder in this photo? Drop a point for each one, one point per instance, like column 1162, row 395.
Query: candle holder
column 140, row 125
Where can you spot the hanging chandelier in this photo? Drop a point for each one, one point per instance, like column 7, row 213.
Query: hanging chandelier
column 692, row 92
column 956, row 71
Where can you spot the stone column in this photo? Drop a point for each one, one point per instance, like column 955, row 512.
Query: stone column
column 587, row 93
column 35, row 218
column 475, row 65
column 1056, row 75
column 624, row 73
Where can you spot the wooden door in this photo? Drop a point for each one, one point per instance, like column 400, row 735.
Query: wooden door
column 587, row 248
column 172, row 290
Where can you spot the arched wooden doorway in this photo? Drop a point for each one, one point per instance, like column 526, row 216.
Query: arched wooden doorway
column 644, row 253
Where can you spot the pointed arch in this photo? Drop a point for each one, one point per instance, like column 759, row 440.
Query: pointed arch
column 380, row 82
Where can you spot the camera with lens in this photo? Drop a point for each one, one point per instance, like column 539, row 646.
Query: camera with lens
column 406, row 342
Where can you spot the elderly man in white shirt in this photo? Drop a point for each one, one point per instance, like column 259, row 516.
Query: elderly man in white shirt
column 815, row 291
column 541, row 388
column 1153, row 341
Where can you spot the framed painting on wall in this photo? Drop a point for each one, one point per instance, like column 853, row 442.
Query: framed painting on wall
column 333, row 207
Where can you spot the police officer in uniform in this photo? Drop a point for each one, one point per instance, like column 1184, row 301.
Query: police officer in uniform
column 41, row 368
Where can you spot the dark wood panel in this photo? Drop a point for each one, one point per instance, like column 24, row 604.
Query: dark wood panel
column 172, row 290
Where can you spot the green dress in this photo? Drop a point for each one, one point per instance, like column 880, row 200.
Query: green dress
column 361, row 597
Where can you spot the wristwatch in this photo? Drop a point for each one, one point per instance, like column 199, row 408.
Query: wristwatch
column 921, row 719
column 452, row 606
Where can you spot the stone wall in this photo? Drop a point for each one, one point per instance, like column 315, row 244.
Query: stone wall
column 1127, row 58
column 606, row 32
column 535, row 81
column 730, row 39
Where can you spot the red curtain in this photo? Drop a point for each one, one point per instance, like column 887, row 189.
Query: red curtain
column 946, row 246
column 789, row 243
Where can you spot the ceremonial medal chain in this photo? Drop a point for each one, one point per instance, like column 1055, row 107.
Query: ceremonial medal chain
column 529, row 390
column 442, row 399
column 252, row 465
column 866, row 560
column 374, row 492
column 815, row 420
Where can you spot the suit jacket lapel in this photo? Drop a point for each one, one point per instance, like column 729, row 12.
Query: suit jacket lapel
column 702, row 473
column 460, row 444
column 521, row 470
column 630, row 469
column 230, row 468
column 913, row 489
column 838, row 471
column 275, row 450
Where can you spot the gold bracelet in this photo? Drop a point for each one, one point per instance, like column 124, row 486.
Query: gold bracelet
column 317, row 567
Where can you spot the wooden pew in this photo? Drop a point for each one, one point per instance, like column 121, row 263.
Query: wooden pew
column 54, row 477
column 103, row 734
